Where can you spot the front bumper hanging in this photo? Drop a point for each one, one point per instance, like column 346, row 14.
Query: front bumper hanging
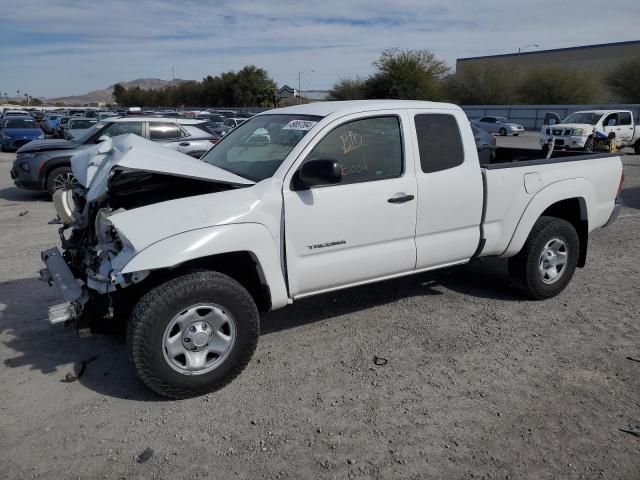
column 59, row 273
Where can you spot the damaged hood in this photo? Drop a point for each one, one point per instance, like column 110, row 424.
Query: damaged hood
column 93, row 166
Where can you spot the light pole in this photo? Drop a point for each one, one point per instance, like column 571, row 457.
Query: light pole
column 300, row 84
column 28, row 102
column 18, row 92
column 520, row 49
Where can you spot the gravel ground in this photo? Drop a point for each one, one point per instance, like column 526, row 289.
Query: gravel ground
column 476, row 382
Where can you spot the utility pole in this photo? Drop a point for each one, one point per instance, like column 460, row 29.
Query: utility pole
column 520, row 49
column 300, row 84
column 173, row 84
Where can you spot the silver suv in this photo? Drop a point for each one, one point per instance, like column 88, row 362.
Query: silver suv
column 44, row 165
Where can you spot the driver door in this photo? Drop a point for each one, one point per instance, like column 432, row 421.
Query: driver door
column 362, row 228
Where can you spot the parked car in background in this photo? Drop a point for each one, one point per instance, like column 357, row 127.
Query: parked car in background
column 50, row 122
column 15, row 113
column 234, row 122
column 227, row 113
column 500, row 125
column 215, row 124
column 576, row 132
column 37, row 115
column 103, row 115
column 485, row 143
column 76, row 126
column 17, row 131
column 45, row 164
column 58, row 132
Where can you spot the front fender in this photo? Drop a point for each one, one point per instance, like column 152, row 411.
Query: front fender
column 193, row 244
column 580, row 188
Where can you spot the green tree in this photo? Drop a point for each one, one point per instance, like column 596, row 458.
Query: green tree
column 555, row 85
column 407, row 74
column 474, row 85
column 119, row 94
column 348, row 89
column 254, row 87
column 624, row 81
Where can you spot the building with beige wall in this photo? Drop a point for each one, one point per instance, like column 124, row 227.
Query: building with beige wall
column 598, row 59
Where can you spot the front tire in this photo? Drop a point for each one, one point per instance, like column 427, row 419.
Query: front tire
column 60, row 178
column 588, row 146
column 192, row 334
column 548, row 259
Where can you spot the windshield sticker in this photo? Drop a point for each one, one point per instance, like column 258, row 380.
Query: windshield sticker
column 299, row 125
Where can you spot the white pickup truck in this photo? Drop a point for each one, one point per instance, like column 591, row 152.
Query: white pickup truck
column 297, row 202
column 577, row 131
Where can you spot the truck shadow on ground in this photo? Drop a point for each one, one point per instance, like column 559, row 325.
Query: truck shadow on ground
column 485, row 278
column 631, row 197
column 14, row 194
column 99, row 362
column 57, row 352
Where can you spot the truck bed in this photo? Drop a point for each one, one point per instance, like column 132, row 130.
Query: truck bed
column 513, row 185
column 506, row 155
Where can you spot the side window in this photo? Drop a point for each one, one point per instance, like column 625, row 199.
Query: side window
column 611, row 120
column 486, row 120
column 439, row 142
column 368, row 149
column 163, row 131
column 625, row 118
column 120, row 128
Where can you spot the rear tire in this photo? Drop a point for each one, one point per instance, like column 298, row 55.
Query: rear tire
column 548, row 259
column 636, row 148
column 503, row 132
column 168, row 329
column 59, row 179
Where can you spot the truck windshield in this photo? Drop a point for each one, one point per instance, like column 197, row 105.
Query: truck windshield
column 256, row 148
column 590, row 118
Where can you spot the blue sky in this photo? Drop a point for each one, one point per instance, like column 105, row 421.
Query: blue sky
column 54, row 48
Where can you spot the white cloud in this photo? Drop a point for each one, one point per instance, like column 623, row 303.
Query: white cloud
column 57, row 48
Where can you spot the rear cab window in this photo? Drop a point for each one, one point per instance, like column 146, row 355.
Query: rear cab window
column 625, row 118
column 439, row 142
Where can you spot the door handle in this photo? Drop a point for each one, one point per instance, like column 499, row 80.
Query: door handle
column 184, row 144
column 403, row 199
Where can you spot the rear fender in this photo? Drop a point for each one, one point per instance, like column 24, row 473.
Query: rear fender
column 579, row 188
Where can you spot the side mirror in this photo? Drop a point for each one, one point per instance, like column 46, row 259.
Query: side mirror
column 318, row 172
column 103, row 138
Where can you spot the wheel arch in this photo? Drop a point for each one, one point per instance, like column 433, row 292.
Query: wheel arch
column 245, row 252
column 51, row 165
column 568, row 199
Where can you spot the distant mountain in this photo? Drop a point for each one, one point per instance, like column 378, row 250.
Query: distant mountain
column 106, row 95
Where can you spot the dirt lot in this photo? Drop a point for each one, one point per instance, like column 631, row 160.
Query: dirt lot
column 478, row 383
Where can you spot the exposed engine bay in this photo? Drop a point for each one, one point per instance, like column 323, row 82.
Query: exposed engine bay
column 93, row 248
